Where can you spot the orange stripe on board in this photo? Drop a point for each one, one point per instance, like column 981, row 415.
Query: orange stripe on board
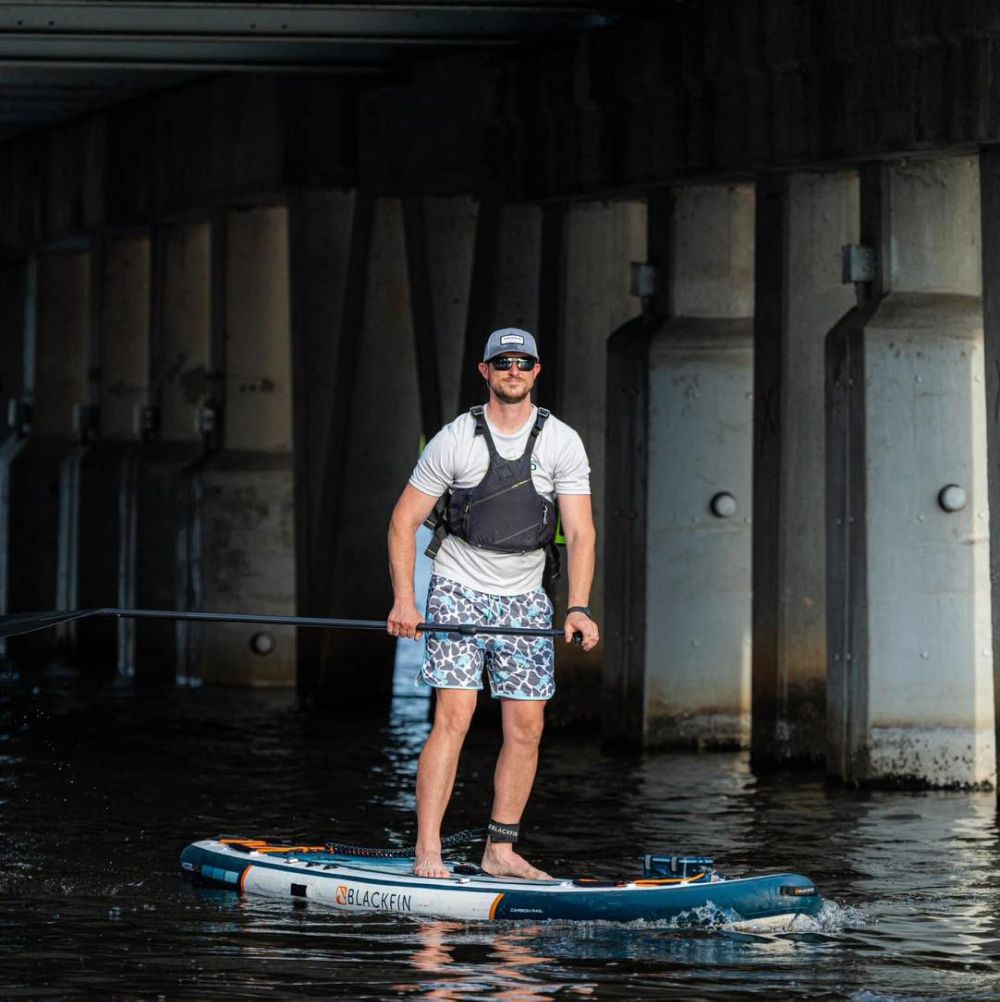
column 493, row 907
column 243, row 879
column 261, row 846
column 670, row 880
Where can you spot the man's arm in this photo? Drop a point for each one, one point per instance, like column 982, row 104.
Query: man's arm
column 577, row 516
column 411, row 509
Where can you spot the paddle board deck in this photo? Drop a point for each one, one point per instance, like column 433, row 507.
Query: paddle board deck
column 363, row 884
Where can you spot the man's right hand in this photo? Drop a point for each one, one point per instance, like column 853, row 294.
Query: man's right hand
column 404, row 618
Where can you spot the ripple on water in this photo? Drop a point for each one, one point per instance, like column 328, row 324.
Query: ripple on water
column 104, row 786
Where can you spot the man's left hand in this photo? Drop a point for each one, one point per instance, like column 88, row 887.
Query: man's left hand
column 578, row 622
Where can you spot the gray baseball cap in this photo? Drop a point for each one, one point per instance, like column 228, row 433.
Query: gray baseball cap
column 510, row 339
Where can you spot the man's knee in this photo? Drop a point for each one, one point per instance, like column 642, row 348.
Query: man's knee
column 524, row 728
column 453, row 717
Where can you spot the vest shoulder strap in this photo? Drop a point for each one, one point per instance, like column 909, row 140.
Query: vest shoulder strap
column 543, row 415
column 479, row 416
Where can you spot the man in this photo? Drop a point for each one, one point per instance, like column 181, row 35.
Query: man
column 501, row 468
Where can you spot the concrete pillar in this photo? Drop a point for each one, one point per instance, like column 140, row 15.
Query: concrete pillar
column 243, row 508
column 108, row 473
column 450, row 241
column 15, row 337
column 910, row 675
column 803, row 220
column 43, row 477
column 989, row 180
column 379, row 441
column 627, row 497
column 326, row 307
column 599, row 242
column 183, row 385
column 519, row 269
column 691, row 421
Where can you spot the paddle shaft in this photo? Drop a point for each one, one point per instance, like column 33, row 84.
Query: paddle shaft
column 29, row 622
column 468, row 629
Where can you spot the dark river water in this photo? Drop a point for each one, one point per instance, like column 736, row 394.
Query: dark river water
column 102, row 786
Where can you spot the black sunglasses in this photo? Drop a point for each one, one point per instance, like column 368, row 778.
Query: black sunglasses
column 506, row 362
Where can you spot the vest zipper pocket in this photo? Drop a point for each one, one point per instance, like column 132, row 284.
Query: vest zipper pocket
column 496, row 494
column 520, row 532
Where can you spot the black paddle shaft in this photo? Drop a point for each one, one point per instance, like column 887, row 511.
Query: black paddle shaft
column 29, row 622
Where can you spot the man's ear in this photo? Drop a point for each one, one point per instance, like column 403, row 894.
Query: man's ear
column 484, row 371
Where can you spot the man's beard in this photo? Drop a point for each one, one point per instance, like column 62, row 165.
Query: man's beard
column 510, row 398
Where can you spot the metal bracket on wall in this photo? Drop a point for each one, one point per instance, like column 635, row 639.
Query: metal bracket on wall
column 86, row 422
column 858, row 264
column 19, row 414
column 644, row 279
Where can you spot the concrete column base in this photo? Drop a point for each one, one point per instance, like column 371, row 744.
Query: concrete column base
column 105, row 552
column 9, row 451
column 243, row 559
column 162, row 560
column 697, row 641
column 911, row 669
column 34, row 508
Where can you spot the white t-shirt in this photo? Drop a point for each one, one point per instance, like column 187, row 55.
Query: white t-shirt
column 457, row 457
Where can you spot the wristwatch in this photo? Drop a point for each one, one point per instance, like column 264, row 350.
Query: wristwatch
column 585, row 609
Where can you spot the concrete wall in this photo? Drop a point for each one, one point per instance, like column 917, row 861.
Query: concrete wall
column 600, row 240
column 519, row 269
column 243, row 511
column 43, row 477
column 912, row 681
column 15, row 337
column 381, row 442
column 803, row 220
column 697, row 637
column 105, row 550
column 183, row 382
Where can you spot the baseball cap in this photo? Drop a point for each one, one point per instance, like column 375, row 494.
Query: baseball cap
column 510, row 339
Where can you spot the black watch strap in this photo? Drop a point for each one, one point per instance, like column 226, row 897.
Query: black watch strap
column 585, row 609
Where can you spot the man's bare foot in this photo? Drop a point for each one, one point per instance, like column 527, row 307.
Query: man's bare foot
column 507, row 863
column 429, row 864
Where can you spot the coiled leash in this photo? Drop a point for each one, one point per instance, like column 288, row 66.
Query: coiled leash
column 465, row 837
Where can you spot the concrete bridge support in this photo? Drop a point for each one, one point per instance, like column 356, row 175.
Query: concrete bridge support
column 328, row 234
column 43, row 477
column 183, row 390
column 521, row 270
column 803, row 220
column 679, row 482
column 243, row 513
column 989, row 178
column 378, row 444
column 594, row 296
column 910, row 671
column 381, row 306
column 105, row 562
column 16, row 321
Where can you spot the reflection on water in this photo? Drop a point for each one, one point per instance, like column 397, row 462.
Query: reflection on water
column 101, row 787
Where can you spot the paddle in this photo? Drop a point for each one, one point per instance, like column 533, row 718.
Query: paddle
column 29, row 622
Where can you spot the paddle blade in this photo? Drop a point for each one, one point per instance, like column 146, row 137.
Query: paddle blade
column 29, row 622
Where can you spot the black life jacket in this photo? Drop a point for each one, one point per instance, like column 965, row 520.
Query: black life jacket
column 503, row 512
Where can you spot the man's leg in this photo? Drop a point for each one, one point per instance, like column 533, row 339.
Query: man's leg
column 523, row 720
column 436, row 775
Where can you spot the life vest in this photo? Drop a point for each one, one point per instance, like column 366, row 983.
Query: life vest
column 503, row 512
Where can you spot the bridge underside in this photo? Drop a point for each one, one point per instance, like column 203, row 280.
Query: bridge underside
column 234, row 303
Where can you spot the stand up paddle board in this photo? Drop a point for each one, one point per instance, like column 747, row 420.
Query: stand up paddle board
column 682, row 889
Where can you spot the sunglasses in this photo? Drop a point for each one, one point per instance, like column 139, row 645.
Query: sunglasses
column 505, row 363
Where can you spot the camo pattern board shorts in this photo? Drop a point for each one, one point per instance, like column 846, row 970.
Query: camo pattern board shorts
column 519, row 667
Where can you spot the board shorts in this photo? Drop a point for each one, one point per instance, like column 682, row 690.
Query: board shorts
column 519, row 667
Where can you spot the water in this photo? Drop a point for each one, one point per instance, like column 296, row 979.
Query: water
column 101, row 786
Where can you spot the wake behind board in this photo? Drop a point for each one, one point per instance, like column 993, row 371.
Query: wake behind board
column 685, row 889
